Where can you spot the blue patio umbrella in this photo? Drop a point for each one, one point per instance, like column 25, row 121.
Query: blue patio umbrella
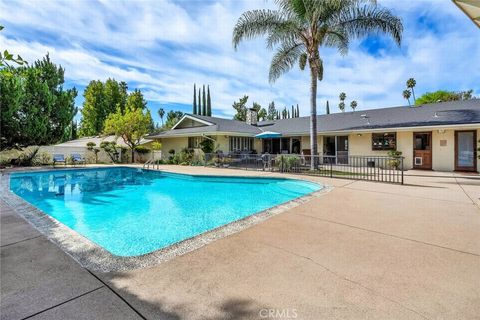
column 268, row 135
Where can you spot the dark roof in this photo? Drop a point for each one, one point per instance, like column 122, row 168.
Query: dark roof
column 434, row 114
column 217, row 125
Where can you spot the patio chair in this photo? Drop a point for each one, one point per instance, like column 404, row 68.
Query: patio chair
column 60, row 158
column 77, row 158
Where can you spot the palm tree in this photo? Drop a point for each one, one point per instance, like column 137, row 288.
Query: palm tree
column 353, row 105
column 410, row 84
column 341, row 105
column 406, row 95
column 161, row 113
column 300, row 27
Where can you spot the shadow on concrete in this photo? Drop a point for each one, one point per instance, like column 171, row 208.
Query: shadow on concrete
column 227, row 309
column 422, row 186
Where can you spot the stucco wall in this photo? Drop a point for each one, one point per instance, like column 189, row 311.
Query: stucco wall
column 361, row 145
column 176, row 144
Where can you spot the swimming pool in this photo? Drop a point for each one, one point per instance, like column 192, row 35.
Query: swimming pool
column 131, row 212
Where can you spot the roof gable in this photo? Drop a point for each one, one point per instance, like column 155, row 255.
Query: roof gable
column 189, row 121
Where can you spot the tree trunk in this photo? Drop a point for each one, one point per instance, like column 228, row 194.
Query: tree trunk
column 313, row 115
column 413, row 94
column 133, row 155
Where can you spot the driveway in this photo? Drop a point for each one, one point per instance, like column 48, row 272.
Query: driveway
column 361, row 251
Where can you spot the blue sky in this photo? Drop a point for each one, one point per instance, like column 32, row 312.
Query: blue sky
column 164, row 47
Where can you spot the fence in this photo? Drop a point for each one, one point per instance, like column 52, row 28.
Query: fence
column 371, row 168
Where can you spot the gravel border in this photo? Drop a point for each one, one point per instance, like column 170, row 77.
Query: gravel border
column 94, row 257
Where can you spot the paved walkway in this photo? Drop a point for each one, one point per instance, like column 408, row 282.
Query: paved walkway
column 362, row 251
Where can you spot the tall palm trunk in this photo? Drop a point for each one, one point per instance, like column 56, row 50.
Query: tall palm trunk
column 313, row 113
column 413, row 94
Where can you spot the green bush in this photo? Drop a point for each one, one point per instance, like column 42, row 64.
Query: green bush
column 207, row 146
column 287, row 162
column 395, row 160
column 142, row 150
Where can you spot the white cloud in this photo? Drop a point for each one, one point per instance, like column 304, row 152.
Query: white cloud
column 164, row 47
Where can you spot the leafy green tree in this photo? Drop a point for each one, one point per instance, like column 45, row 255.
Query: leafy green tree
column 135, row 100
column 35, row 109
column 204, row 102
column 102, row 99
column 209, row 103
column 300, row 27
column 353, row 105
column 194, row 111
column 93, row 111
column 328, row 108
column 406, row 95
column 272, row 111
column 161, row 114
column 261, row 112
column 241, row 109
column 131, row 126
column 411, row 83
column 115, row 95
column 442, row 96
column 172, row 118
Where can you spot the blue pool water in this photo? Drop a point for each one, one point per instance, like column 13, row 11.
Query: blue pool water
column 131, row 212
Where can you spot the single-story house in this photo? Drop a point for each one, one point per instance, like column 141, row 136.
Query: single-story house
column 440, row 136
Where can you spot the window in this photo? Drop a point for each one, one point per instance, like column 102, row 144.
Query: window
column 384, row 141
column 194, row 142
column 241, row 144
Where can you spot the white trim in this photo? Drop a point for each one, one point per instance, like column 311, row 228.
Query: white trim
column 192, row 118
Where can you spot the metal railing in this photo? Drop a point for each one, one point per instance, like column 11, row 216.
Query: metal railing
column 370, row 168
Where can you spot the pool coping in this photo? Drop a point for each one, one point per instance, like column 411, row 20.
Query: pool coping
column 94, row 257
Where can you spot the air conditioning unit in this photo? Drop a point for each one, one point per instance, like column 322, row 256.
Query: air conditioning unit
column 418, row 161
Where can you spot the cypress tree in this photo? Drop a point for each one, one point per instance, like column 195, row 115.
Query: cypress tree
column 293, row 112
column 204, row 103
column 199, row 107
column 194, row 99
column 209, row 103
column 298, row 111
column 328, row 108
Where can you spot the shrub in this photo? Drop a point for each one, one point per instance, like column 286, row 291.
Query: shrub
column 287, row 162
column 110, row 148
column 395, row 160
column 207, row 146
column 91, row 147
column 156, row 146
column 142, row 150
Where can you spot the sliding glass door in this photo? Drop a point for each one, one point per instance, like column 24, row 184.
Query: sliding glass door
column 465, row 154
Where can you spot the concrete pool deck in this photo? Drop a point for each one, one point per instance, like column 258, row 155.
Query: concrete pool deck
column 362, row 251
